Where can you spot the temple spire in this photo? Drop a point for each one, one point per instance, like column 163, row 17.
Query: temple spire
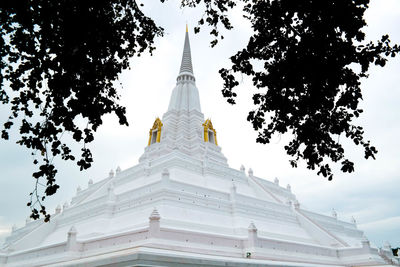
column 185, row 96
column 186, row 65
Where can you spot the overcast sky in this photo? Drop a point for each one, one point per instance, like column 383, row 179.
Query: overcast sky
column 371, row 194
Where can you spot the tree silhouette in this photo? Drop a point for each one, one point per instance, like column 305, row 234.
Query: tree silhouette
column 314, row 55
column 60, row 60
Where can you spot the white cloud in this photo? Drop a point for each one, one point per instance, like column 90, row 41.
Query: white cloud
column 391, row 223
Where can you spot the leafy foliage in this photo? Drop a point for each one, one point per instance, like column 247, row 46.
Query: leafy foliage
column 59, row 60
column 214, row 13
column 313, row 55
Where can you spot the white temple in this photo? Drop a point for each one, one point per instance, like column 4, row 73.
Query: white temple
column 182, row 205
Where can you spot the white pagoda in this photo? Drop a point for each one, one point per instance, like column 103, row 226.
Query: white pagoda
column 182, row 205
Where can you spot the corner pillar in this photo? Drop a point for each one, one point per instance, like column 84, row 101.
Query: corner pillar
column 252, row 236
column 72, row 244
column 365, row 244
column 165, row 177
column 154, row 223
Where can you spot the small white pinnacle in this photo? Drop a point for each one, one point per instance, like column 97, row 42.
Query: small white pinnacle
column 72, row 230
column 252, row 227
column 58, row 209
column 250, row 172
column 334, row 214
column 155, row 215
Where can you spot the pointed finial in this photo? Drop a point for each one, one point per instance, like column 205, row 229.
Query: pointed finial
column 334, row 213
column 155, row 216
column 186, row 64
column 365, row 242
column 165, row 172
column 187, row 28
column 252, row 227
column 72, row 230
column 165, row 175
column 110, row 194
column 233, row 186
column 110, row 189
column 58, row 209
column 232, row 192
column 242, row 168
column 296, row 204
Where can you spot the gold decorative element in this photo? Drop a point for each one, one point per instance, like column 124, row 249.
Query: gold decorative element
column 209, row 127
column 156, row 128
column 186, row 28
